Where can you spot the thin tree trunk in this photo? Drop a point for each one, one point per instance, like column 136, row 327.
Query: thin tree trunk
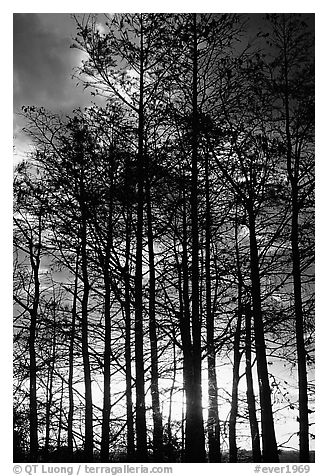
column 183, row 431
column 235, row 382
column 141, row 429
column 33, row 397
column 157, row 416
column 60, row 422
column 71, row 363
column 293, row 172
column 170, row 454
column 213, row 425
column 236, row 356
column 300, row 345
column 128, row 353
column 195, row 438
column 184, row 324
column 47, row 416
column 104, row 449
column 269, row 444
column 88, row 444
column 50, row 386
column 255, row 434
column 35, row 264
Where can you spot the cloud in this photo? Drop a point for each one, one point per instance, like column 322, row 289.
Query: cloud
column 44, row 62
column 43, row 68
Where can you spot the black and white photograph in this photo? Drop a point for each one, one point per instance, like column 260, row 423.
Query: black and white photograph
column 163, row 239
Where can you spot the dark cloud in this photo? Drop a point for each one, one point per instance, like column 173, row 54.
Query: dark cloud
column 43, row 61
column 43, row 68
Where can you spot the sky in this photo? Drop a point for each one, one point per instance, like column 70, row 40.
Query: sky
column 43, row 60
column 43, row 65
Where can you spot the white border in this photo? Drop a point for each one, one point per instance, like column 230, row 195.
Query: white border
column 6, row 33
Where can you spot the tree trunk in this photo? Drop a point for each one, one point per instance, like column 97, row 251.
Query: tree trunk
column 293, row 172
column 233, row 452
column 33, row 397
column 128, row 353
column 234, row 393
column 50, row 386
column 141, row 429
column 269, row 444
column 104, row 450
column 300, row 345
column 195, row 438
column 35, row 265
column 60, row 422
column 213, row 425
column 255, row 434
column 88, row 444
column 184, row 323
column 169, row 451
column 157, row 416
column 183, row 427
column 71, row 363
